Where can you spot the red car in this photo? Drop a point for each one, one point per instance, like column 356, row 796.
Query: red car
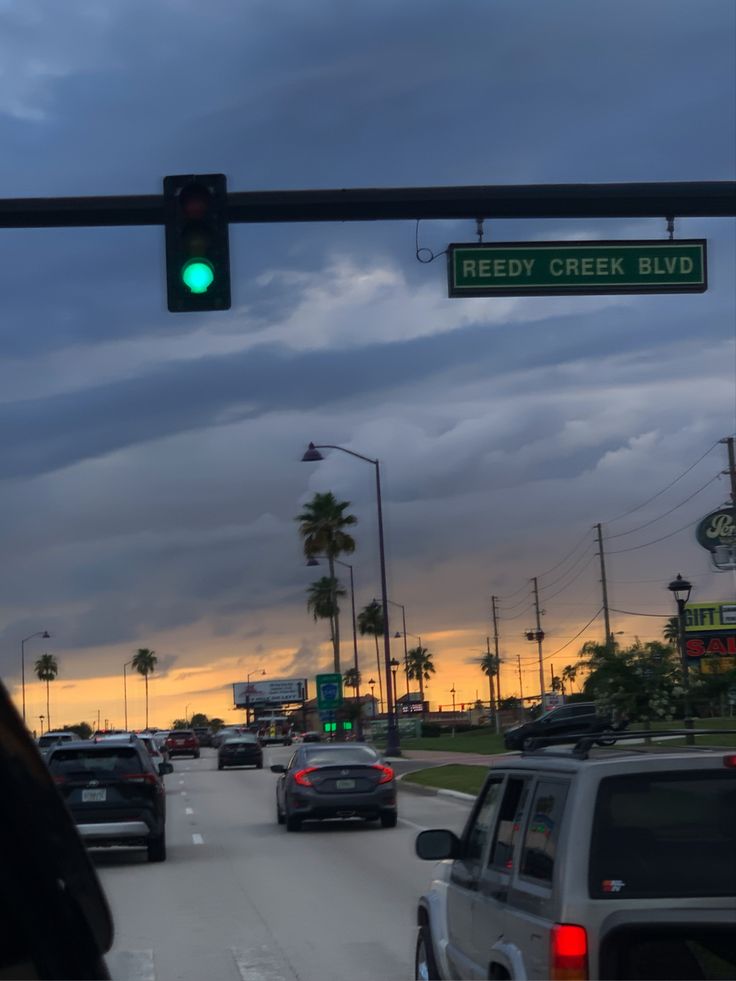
column 182, row 742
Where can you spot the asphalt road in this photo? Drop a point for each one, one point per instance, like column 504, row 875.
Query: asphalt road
column 240, row 898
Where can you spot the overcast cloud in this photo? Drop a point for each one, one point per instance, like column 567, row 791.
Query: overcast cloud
column 150, row 469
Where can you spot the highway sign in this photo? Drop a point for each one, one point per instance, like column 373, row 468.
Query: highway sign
column 564, row 268
column 329, row 691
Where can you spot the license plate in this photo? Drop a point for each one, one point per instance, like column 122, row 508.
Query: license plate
column 88, row 796
column 345, row 784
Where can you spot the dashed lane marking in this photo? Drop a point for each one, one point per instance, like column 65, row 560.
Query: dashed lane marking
column 418, row 827
column 197, row 839
column 188, row 810
column 131, row 965
column 260, row 964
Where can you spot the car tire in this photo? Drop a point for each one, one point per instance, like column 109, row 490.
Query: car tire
column 259, row 766
column 220, row 766
column 607, row 737
column 196, row 756
column 389, row 819
column 280, row 819
column 157, row 848
column 293, row 823
column 425, row 966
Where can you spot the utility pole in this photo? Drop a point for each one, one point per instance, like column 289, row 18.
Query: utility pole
column 604, row 587
column 539, row 638
column 729, row 441
column 521, row 685
column 495, row 644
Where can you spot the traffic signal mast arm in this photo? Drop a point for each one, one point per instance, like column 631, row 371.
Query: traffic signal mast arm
column 704, row 199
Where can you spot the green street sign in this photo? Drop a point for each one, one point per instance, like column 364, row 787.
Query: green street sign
column 329, row 691
column 577, row 268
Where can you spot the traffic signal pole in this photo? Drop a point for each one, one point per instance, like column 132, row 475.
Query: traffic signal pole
column 661, row 199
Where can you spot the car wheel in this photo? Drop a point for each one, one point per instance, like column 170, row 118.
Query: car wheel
column 196, row 756
column 220, row 766
column 259, row 766
column 425, row 968
column 280, row 819
column 157, row 848
column 607, row 737
column 293, row 823
column 389, row 819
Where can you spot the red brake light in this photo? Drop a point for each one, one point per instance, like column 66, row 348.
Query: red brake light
column 568, row 960
column 301, row 777
column 140, row 777
column 387, row 774
column 730, row 760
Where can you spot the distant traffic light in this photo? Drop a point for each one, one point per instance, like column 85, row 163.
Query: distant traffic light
column 197, row 243
column 330, row 726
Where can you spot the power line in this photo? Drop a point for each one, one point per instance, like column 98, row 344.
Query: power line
column 660, row 492
column 631, row 531
column 574, row 579
column 570, row 641
column 562, row 561
column 630, row 613
column 633, row 548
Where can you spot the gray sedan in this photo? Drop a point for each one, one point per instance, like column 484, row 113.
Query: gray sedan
column 335, row 780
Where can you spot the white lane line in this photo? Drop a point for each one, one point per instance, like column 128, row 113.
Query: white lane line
column 198, row 839
column 188, row 810
column 419, row 827
column 183, row 793
column 259, row 964
column 125, row 965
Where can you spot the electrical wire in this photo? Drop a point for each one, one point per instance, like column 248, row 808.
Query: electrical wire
column 671, row 484
column 630, row 613
column 512, row 606
column 574, row 579
column 631, row 531
column 633, row 548
column 567, row 573
column 570, row 641
column 562, row 561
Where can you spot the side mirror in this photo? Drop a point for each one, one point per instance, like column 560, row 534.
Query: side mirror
column 278, row 768
column 437, row 844
column 164, row 768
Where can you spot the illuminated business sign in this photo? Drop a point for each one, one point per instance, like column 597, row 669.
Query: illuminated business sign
column 701, row 618
column 707, row 645
column 578, row 268
column 277, row 692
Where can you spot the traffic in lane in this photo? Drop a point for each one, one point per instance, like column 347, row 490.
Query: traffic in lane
column 240, row 898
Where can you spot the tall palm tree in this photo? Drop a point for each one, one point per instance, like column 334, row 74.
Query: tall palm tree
column 569, row 673
column 144, row 662
column 370, row 621
column 671, row 632
column 421, row 668
column 46, row 670
column 322, row 525
column 489, row 667
column 322, row 598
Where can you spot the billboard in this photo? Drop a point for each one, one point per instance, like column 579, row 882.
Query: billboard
column 277, row 692
column 702, row 618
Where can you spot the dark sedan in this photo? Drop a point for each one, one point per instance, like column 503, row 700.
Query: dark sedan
column 243, row 750
column 335, row 780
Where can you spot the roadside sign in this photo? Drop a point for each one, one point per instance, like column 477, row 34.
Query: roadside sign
column 577, row 268
column 718, row 665
column 701, row 618
column 329, row 691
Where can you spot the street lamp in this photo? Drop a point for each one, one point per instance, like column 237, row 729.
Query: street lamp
column 452, row 692
column 247, row 692
column 312, row 562
column 39, row 633
column 312, row 454
column 41, row 718
column 406, row 655
column 125, row 692
column 681, row 589
column 372, row 684
column 394, row 666
column 538, row 636
column 186, row 713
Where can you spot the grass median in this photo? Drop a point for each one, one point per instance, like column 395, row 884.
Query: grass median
column 477, row 741
column 466, row 778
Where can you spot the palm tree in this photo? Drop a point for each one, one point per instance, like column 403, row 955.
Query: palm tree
column 671, row 632
column 144, row 662
column 489, row 667
column 46, row 670
column 370, row 621
column 569, row 673
column 351, row 678
column 421, row 668
column 322, row 526
column 322, row 601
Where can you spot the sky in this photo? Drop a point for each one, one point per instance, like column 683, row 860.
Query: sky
column 151, row 471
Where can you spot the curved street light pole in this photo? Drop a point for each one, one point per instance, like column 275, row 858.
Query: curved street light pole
column 406, row 653
column 39, row 633
column 312, row 455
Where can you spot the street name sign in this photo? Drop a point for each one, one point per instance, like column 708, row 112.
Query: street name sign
column 329, row 691
column 577, row 268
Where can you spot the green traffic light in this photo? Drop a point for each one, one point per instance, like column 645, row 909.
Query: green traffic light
column 198, row 275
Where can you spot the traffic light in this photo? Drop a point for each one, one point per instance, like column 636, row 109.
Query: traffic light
column 197, row 249
column 330, row 726
column 347, row 726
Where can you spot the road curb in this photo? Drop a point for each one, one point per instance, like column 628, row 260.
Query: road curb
column 424, row 791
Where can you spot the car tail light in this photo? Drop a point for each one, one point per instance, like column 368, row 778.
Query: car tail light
column 59, row 779
column 568, row 958
column 141, row 778
column 730, row 760
column 301, row 777
column 387, row 774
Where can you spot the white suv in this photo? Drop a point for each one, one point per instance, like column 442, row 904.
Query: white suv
column 588, row 863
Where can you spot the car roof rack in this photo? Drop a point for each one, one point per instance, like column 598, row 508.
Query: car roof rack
column 580, row 746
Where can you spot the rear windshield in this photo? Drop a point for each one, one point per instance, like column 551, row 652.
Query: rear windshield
column 179, row 733
column 664, row 835
column 110, row 760
column 341, row 755
column 50, row 740
column 251, row 740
